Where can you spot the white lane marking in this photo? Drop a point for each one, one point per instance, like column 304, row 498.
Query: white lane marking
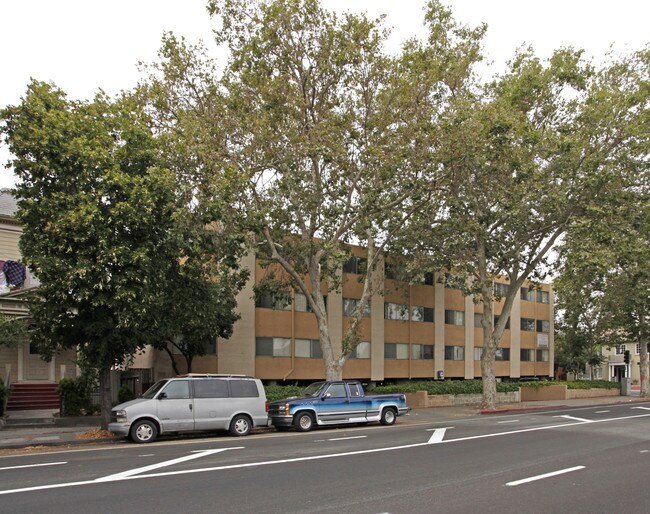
column 47, row 438
column 146, row 455
column 346, row 438
column 642, row 408
column 315, row 457
column 643, row 451
column 601, row 411
column 437, row 436
column 583, row 420
column 197, row 454
column 34, row 465
column 509, row 421
column 545, row 475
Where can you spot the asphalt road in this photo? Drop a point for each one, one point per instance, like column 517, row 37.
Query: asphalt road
column 592, row 460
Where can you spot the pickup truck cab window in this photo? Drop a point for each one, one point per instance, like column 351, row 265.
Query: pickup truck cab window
column 354, row 390
column 336, row 391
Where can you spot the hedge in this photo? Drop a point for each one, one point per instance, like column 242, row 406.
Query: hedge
column 454, row 387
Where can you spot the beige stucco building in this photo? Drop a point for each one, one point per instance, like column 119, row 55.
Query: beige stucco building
column 410, row 331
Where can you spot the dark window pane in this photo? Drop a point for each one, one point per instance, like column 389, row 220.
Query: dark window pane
column 427, row 351
column 428, row 314
column 390, row 351
column 243, row 389
column 264, row 346
column 210, row 388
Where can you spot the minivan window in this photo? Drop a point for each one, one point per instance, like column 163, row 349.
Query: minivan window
column 153, row 390
column 210, row 388
column 243, row 389
column 178, row 389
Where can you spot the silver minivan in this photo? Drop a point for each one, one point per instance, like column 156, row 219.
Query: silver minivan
column 193, row 402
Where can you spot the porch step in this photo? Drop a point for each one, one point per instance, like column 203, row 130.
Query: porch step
column 33, row 397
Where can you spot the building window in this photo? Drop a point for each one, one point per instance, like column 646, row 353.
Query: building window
column 454, row 353
column 279, row 301
column 356, row 265
column 496, row 319
column 526, row 355
column 620, row 349
column 542, row 355
column 362, row 351
column 478, row 319
column 424, row 314
column 528, row 324
column 428, row 278
column 478, row 353
column 543, row 297
column 527, row 294
column 422, row 351
column 273, row 346
column 454, row 317
column 396, row 351
column 300, row 303
column 308, row 348
column 638, row 348
column 350, row 306
column 502, row 354
column 544, row 326
column 501, row 290
column 396, row 311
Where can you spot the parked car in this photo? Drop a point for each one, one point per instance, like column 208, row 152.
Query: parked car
column 334, row 403
column 190, row 403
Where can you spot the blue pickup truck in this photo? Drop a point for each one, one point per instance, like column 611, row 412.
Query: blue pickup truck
column 334, row 403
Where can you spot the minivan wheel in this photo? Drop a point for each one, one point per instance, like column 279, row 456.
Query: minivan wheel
column 240, row 425
column 144, row 431
column 303, row 421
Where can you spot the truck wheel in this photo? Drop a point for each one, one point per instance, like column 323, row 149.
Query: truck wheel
column 388, row 416
column 144, row 431
column 240, row 425
column 304, row 421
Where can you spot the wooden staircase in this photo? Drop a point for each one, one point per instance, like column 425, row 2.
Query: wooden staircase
column 33, row 396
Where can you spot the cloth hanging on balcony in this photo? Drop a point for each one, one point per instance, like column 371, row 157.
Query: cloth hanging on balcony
column 15, row 273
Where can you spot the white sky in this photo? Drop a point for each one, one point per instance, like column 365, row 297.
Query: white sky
column 85, row 45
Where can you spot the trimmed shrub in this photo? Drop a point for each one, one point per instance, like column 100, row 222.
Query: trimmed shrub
column 3, row 397
column 75, row 397
column 276, row 392
column 125, row 394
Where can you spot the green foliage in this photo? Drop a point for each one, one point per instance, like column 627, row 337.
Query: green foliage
column 278, row 392
column 76, row 395
column 455, row 387
column 125, row 394
column 13, row 331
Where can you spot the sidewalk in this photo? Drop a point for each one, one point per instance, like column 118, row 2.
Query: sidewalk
column 79, row 431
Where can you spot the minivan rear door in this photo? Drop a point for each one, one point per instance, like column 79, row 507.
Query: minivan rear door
column 175, row 406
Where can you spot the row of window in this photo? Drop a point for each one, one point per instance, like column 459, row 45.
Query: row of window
column 620, row 349
column 310, row 348
column 396, row 311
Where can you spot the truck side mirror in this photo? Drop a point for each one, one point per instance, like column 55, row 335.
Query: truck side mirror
column 326, row 396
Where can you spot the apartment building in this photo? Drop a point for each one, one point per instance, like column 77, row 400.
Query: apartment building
column 614, row 366
column 409, row 331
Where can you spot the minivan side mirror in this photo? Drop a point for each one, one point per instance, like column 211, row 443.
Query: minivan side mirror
column 162, row 396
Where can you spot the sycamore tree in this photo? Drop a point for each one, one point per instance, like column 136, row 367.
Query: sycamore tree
column 312, row 136
column 530, row 154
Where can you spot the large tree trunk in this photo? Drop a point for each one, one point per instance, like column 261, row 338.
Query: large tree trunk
column 106, row 397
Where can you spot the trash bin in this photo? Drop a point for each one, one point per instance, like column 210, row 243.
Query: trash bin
column 441, row 375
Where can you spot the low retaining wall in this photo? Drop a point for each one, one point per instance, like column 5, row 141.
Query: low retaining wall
column 422, row 400
column 591, row 393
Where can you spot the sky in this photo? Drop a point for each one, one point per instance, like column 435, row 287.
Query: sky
column 86, row 45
